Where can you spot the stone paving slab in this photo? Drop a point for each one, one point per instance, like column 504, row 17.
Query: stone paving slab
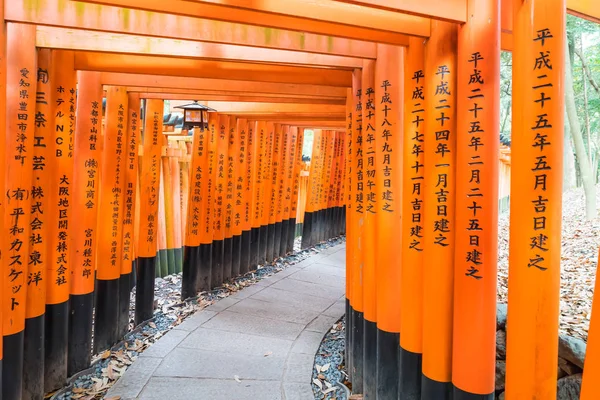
column 257, row 344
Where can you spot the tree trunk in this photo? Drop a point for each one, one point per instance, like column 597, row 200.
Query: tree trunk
column 585, row 170
column 569, row 175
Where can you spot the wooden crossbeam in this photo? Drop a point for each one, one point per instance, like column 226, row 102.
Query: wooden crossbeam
column 238, row 98
column 136, row 64
column 144, row 82
column 228, row 107
column 80, row 39
column 448, row 10
column 103, row 18
column 315, row 16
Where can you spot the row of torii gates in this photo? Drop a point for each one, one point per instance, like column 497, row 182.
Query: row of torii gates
column 405, row 97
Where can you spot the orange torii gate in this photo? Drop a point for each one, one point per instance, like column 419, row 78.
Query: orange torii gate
column 271, row 69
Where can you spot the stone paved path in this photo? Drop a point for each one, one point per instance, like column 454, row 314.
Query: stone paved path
column 266, row 335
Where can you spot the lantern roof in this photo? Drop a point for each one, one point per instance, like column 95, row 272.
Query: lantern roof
column 195, row 106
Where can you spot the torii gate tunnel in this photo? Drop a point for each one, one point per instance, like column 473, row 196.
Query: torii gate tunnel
column 403, row 98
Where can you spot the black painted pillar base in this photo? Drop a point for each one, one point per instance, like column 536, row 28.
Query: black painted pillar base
column 204, row 268
column 254, row 248
column 164, row 262
column 434, row 390
column 327, row 218
column 56, row 343
column 178, row 252
column 189, row 277
column 277, row 240
column 107, row 310
column 348, row 344
column 387, row 364
column 343, row 232
column 124, row 302
column 283, row 238
column 357, row 352
column 144, row 291
column 291, row 236
column 262, row 244
column 33, row 368
column 245, row 250
column 410, row 372
column 80, row 332
column 217, row 263
column 12, row 371
column 271, row 243
column 460, row 394
column 236, row 248
column 370, row 360
column 307, row 230
column 227, row 258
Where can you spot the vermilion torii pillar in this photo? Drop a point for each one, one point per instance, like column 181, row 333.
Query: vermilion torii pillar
column 85, row 196
column 389, row 96
column 476, row 251
column 21, row 77
column 536, row 195
column 413, row 174
column 439, row 201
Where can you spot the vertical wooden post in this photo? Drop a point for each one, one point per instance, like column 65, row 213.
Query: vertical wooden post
column 208, row 196
column 19, row 141
column 476, row 254
column 536, row 198
column 440, row 196
column 228, row 198
column 33, row 369
column 284, row 190
column 174, row 153
column 311, row 195
column 130, row 149
column 389, row 98
column 167, row 194
column 245, row 180
column 266, row 139
column 284, row 131
column 3, row 98
column 350, row 218
column 148, row 230
column 62, row 117
column 411, row 280
column 289, row 193
column 298, row 163
column 357, row 236
column 198, row 236
column 590, row 387
column 85, row 195
column 370, row 230
column 164, row 266
column 110, row 231
column 236, row 163
column 268, row 206
column 221, row 145
column 255, row 143
column 274, row 229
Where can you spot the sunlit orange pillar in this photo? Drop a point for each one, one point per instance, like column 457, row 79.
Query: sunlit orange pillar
column 33, row 369
column 440, row 197
column 590, row 387
column 389, row 93
column 280, row 226
column 476, row 251
column 19, row 140
column 298, row 163
column 208, row 196
column 3, row 98
column 326, row 185
column 236, row 159
column 85, row 194
column 413, row 170
column 255, row 140
column 62, row 110
column 536, row 195
column 244, row 186
column 370, row 229
column 357, row 242
column 149, row 183
column 110, row 229
column 130, row 151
